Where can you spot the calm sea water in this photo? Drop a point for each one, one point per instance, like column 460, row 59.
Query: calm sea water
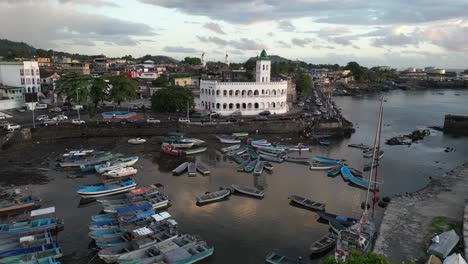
column 244, row 230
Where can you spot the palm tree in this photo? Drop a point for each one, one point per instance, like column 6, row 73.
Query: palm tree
column 122, row 89
column 74, row 86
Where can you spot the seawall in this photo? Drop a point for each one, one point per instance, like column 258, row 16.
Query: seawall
column 456, row 124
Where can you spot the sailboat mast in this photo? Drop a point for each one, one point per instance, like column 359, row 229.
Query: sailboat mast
column 377, row 156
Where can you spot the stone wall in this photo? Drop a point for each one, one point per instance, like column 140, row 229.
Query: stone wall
column 465, row 229
column 456, row 124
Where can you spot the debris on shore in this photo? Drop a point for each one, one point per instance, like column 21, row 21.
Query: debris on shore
column 413, row 137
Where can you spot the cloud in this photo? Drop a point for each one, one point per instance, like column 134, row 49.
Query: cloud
column 179, row 49
column 95, row 3
column 449, row 37
column 286, row 25
column 300, row 42
column 284, row 44
column 343, row 40
column 271, row 34
column 241, row 44
column 59, row 25
column 332, row 31
column 215, row 27
column 396, row 36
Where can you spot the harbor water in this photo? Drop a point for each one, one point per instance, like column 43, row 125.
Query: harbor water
column 243, row 229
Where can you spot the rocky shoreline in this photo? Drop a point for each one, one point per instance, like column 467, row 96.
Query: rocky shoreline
column 406, row 227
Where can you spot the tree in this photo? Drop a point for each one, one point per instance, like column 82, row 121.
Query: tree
column 192, row 60
column 360, row 73
column 74, row 86
column 172, row 100
column 122, row 89
column 161, row 81
column 97, row 92
column 356, row 258
column 303, row 83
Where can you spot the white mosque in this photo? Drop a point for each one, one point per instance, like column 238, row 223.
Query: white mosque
column 247, row 98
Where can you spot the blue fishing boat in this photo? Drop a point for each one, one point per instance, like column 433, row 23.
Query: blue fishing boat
column 27, row 250
column 130, row 210
column 326, row 160
column 18, row 203
column 46, row 260
column 30, row 226
column 274, row 149
column 105, row 189
column 347, row 175
column 118, row 164
column 346, row 221
column 299, row 160
column 22, row 242
column 334, row 171
column 271, row 159
column 28, row 258
column 274, row 258
column 105, row 224
column 112, row 232
column 251, row 166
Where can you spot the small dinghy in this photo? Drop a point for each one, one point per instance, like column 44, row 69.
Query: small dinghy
column 346, row 221
column 251, row 166
column 240, row 134
column 195, row 151
column 323, row 166
column 136, row 141
column 180, row 143
column 326, row 160
column 335, row 171
column 360, row 146
column 323, row 244
column 196, row 141
column 226, row 139
column 298, row 160
column 202, row 168
column 270, row 159
column 105, row 189
column 274, row 258
column 369, row 154
column 212, row 196
column 192, row 169
column 120, row 163
column 170, row 150
column 180, row 169
column 122, row 172
column 13, row 204
column 230, row 148
column 259, row 168
column 268, row 166
column 299, row 147
column 248, row 191
column 307, row 202
column 336, row 227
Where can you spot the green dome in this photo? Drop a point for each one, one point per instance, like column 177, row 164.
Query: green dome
column 263, row 54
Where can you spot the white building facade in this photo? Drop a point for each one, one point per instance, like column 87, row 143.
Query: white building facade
column 21, row 74
column 247, row 98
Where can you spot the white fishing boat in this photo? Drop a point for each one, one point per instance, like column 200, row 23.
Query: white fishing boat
column 240, row 134
column 213, row 196
column 226, row 139
column 196, row 141
column 120, row 163
column 122, row 172
column 323, row 166
column 230, row 148
column 136, row 141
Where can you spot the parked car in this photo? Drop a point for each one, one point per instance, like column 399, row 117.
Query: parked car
column 42, row 117
column 21, row 110
column 153, row 121
column 184, row 120
column 77, row 107
column 12, row 127
column 56, row 110
column 60, row 118
column 40, row 106
column 265, row 113
column 78, row 121
column 47, row 122
column 214, row 115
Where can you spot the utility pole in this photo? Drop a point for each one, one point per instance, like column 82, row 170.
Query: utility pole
column 33, row 106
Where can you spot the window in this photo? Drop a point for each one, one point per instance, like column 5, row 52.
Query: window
column 256, row 105
column 267, row 67
column 33, row 81
column 224, row 93
column 21, row 72
column 231, row 106
column 218, row 105
column 237, row 106
column 224, row 106
column 230, row 93
column 37, row 71
column 22, row 80
column 39, row 81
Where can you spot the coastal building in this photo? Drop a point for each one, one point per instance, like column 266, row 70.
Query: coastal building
column 247, row 98
column 100, row 65
column 16, row 79
column 80, row 68
column 43, row 62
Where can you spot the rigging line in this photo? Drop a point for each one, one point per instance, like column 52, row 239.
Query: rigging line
column 377, row 158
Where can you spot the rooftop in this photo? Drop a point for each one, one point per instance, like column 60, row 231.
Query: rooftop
column 11, row 63
column 264, row 56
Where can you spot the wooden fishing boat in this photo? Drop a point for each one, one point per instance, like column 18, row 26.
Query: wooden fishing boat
column 122, row 172
column 202, row 168
column 323, row 244
column 347, row 175
column 28, row 244
column 237, row 159
column 248, row 191
column 274, row 258
column 180, row 143
column 333, row 172
column 251, row 166
column 90, row 161
column 240, row 134
column 45, row 260
column 252, row 153
column 170, row 150
column 268, row 166
column 158, row 200
column 259, row 166
column 323, row 166
column 360, row 146
column 230, row 148
column 180, row 169
column 306, row 202
column 134, row 194
column 241, row 166
column 30, row 226
column 195, row 151
column 55, row 253
column 298, row 147
column 105, row 189
column 118, row 164
column 259, row 142
column 270, row 159
column 346, row 221
column 196, row 141
column 226, row 139
column 213, row 196
column 299, row 160
column 326, row 160
column 136, row 141
column 192, row 169
column 336, row 227
column 15, row 203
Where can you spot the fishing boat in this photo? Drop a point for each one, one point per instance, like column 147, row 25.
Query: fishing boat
column 298, row 147
column 307, row 202
column 131, row 210
column 259, row 166
column 346, row 221
column 324, row 142
column 371, row 153
column 241, row 166
column 25, row 245
column 273, row 149
column 196, row 141
column 122, row 172
column 323, row 244
column 202, row 168
column 248, row 191
column 55, row 253
column 333, row 172
column 180, row 169
column 252, row 153
column 158, row 200
column 180, row 143
column 336, row 227
column 268, row 153
column 356, row 173
column 105, row 189
column 14, row 241
column 105, row 224
column 347, row 175
column 226, row 139
column 274, row 258
column 230, row 148
column 45, row 260
column 78, row 153
column 299, row 160
column 213, row 196
column 134, row 194
column 360, row 146
column 237, row 158
column 195, row 151
column 270, row 159
column 18, row 203
column 326, row 160
column 251, row 166
column 268, row 166
column 90, row 161
column 172, row 151
column 136, row 141
column 240, row 134
column 323, row 166
column 30, row 226
column 118, row 164
column 259, row 142
column 192, row 169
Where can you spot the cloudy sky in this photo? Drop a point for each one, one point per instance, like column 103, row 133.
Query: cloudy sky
column 398, row 33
